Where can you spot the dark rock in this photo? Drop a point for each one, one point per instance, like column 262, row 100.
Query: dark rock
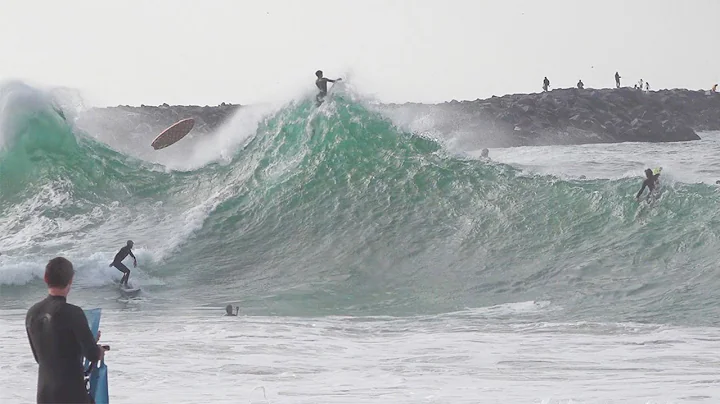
column 151, row 119
column 571, row 116
column 560, row 116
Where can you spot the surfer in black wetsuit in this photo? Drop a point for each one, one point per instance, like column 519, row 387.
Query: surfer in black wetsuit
column 60, row 337
column 117, row 262
column 650, row 182
column 321, row 84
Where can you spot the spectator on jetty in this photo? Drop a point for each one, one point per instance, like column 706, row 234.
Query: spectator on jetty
column 647, row 86
column 580, row 85
column 641, row 84
column 714, row 88
column 617, row 80
column 546, row 84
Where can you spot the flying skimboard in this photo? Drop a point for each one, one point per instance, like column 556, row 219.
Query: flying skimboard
column 173, row 134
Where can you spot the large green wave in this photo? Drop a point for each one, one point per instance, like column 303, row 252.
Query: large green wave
column 336, row 210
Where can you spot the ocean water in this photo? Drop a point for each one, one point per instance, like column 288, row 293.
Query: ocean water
column 371, row 263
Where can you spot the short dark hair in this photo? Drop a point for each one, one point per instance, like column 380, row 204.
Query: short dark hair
column 59, row 272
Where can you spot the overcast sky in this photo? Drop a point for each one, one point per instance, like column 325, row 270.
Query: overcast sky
column 210, row 51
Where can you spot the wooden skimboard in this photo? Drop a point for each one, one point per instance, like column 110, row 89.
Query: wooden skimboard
column 169, row 136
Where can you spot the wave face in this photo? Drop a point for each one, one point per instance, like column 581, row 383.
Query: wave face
column 334, row 210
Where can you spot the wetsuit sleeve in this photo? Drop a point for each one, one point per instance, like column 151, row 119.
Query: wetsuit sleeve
column 131, row 254
column 84, row 336
column 27, row 330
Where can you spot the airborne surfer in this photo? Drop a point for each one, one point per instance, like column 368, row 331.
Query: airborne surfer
column 652, row 181
column 117, row 262
column 321, row 84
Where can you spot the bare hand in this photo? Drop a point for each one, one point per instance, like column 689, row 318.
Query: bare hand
column 134, row 264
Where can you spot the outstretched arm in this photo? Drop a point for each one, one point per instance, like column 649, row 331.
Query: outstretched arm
column 32, row 347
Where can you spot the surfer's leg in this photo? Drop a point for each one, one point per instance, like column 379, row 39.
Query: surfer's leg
column 126, row 272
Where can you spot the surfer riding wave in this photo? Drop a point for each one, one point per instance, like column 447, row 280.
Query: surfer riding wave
column 117, row 262
column 651, row 182
column 321, row 84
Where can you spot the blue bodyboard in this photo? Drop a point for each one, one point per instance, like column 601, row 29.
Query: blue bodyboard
column 98, row 376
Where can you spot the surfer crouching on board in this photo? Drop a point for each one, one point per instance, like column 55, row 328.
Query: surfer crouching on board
column 117, row 262
column 652, row 180
column 321, row 84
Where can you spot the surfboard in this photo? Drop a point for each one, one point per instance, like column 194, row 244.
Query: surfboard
column 172, row 134
column 99, row 375
column 129, row 292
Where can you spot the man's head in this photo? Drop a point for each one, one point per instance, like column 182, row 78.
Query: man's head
column 228, row 309
column 648, row 173
column 59, row 274
column 130, row 243
column 319, row 73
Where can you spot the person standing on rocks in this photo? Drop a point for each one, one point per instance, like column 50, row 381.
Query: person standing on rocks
column 580, row 85
column 647, row 86
column 617, row 80
column 546, row 84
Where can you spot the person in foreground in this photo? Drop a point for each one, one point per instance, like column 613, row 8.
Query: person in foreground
column 117, row 262
column 60, row 337
column 321, row 83
column 650, row 182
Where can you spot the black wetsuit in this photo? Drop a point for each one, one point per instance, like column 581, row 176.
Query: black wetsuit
column 60, row 337
column 650, row 183
column 321, row 83
column 117, row 263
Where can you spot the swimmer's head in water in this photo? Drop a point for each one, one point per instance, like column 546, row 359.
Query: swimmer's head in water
column 228, row 309
column 319, row 73
column 485, row 152
column 130, row 243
